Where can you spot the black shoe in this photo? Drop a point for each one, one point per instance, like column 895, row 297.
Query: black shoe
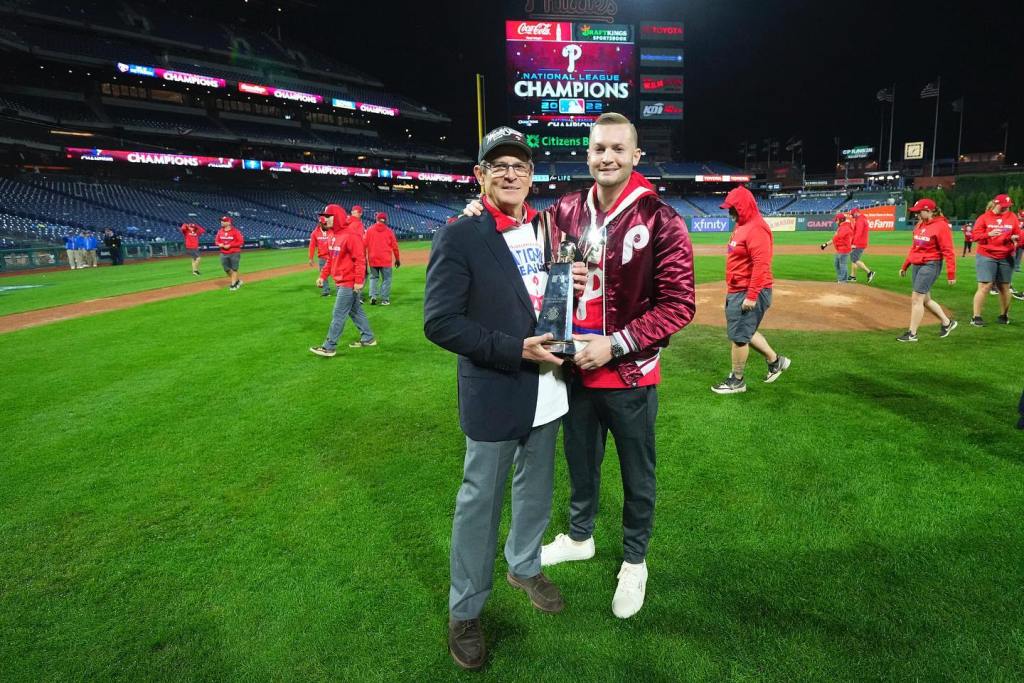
column 325, row 293
column 871, row 277
column 976, row 321
column 946, row 329
column 775, row 369
column 373, row 301
column 1003, row 320
column 907, row 336
column 851, row 279
column 544, row 594
column 466, row 643
column 731, row 385
column 1019, row 296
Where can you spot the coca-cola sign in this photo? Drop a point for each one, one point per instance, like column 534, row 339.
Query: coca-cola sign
column 556, row 31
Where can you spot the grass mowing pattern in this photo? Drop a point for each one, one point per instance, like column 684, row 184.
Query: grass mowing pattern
column 188, row 493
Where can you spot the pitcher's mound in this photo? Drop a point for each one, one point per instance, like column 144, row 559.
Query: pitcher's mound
column 820, row 306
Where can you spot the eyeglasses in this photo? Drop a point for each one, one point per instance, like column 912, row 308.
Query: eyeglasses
column 521, row 170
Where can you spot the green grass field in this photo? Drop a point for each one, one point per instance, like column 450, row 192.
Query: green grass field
column 187, row 494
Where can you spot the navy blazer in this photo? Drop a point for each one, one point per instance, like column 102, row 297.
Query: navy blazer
column 477, row 306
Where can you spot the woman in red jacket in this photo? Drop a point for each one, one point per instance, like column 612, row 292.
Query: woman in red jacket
column 997, row 233
column 933, row 243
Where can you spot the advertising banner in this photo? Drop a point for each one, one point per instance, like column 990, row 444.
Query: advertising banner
column 538, row 31
column 173, row 76
column 662, row 110
column 722, row 178
column 279, row 93
column 881, row 218
column 661, row 84
column 160, row 159
column 710, row 224
column 818, row 221
column 661, row 32
column 661, row 57
column 364, row 106
column 781, row 223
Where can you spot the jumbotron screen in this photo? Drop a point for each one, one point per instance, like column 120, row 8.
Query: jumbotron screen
column 563, row 75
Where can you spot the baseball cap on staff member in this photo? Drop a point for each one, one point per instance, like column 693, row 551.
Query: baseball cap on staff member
column 503, row 137
column 923, row 205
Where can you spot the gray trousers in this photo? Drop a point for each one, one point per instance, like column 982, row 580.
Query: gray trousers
column 327, row 280
column 347, row 305
column 478, row 514
column 841, row 267
column 630, row 415
column 378, row 287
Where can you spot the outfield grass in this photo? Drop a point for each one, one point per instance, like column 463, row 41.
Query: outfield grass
column 187, row 493
column 57, row 288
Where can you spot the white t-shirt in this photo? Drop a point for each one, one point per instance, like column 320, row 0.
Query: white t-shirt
column 528, row 253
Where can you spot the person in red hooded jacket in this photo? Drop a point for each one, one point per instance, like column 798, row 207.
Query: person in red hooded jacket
column 842, row 241
column 347, row 265
column 230, row 241
column 319, row 246
column 997, row 234
column 192, row 232
column 861, row 236
column 748, row 279
column 381, row 246
column 933, row 243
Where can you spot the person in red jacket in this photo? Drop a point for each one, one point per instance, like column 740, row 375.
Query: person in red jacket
column 997, row 234
column 230, row 241
column 192, row 233
column 381, row 246
column 355, row 222
column 1018, row 295
column 319, row 241
column 861, row 236
column 346, row 263
column 842, row 241
column 933, row 243
column 748, row 278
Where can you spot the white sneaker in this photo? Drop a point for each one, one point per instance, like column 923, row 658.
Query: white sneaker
column 564, row 549
column 629, row 596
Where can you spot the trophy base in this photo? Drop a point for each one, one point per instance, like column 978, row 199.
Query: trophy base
column 564, row 349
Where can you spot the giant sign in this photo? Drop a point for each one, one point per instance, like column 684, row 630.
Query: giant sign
column 561, row 76
column 191, row 161
column 182, row 77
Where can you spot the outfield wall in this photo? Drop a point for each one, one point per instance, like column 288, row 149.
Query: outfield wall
column 880, row 218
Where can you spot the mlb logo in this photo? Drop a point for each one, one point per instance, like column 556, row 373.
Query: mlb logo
column 568, row 105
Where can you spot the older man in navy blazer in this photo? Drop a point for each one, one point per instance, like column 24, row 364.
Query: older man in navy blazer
column 485, row 285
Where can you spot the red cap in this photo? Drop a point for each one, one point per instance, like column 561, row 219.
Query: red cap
column 357, row 208
column 923, row 205
column 381, row 216
column 856, row 211
column 228, row 219
column 1003, row 200
column 840, row 217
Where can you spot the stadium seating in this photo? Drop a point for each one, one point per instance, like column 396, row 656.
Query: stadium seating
column 709, row 205
column 816, row 203
column 187, row 122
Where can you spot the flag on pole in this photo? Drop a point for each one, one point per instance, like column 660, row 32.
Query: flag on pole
column 958, row 105
column 930, row 90
column 885, row 95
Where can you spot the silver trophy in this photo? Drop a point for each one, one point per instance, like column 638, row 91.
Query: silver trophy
column 556, row 310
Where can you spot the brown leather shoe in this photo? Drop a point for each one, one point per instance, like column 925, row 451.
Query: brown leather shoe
column 466, row 643
column 544, row 595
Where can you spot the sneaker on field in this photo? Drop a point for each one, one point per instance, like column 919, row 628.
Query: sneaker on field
column 1019, row 296
column 1003, row 320
column 373, row 301
column 385, row 302
column 946, row 329
column 629, row 594
column 993, row 292
column 323, row 351
column 775, row 369
column 976, row 321
column 360, row 344
column 564, row 549
column 871, row 277
column 731, row 385
column 907, row 336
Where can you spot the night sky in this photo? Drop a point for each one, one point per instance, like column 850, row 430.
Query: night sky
column 753, row 69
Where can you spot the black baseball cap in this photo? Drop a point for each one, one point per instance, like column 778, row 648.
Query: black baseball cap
column 503, row 137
